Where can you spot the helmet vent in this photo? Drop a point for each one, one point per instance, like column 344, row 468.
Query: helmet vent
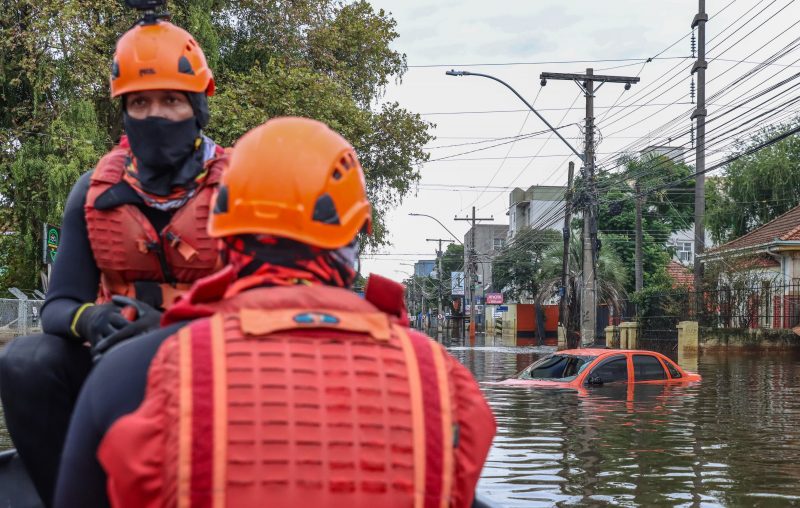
column 337, row 175
column 184, row 67
column 325, row 210
column 115, row 70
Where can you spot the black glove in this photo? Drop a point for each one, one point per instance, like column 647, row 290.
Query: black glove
column 97, row 322
column 147, row 318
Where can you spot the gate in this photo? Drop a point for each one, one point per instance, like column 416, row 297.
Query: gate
column 659, row 315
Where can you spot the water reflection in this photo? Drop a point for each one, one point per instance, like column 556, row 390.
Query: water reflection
column 733, row 440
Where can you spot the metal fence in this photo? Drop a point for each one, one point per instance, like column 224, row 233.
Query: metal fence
column 19, row 317
column 759, row 305
column 765, row 305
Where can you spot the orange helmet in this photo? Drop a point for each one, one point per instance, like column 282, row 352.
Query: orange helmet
column 159, row 56
column 293, row 178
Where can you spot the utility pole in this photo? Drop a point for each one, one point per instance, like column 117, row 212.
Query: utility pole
column 472, row 269
column 439, row 255
column 700, row 159
column 639, row 240
column 564, row 302
column 586, row 82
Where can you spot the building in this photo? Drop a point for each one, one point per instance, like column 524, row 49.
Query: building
column 539, row 207
column 423, row 268
column 760, row 275
column 683, row 242
column 489, row 240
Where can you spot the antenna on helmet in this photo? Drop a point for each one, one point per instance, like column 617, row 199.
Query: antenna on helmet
column 148, row 8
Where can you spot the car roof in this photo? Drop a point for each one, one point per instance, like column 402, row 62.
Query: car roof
column 603, row 351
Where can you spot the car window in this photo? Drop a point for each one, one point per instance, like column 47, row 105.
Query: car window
column 673, row 371
column 647, row 368
column 611, row 371
column 556, row 367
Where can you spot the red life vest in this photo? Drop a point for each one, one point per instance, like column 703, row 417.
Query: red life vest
column 294, row 396
column 128, row 249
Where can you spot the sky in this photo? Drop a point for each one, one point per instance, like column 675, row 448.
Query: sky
column 516, row 41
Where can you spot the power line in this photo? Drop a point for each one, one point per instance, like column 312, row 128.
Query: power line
column 543, row 62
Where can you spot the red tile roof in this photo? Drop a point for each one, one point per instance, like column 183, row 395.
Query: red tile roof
column 751, row 262
column 680, row 275
column 783, row 228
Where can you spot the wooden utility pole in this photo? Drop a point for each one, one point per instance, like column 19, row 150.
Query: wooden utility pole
column 586, row 82
column 700, row 158
column 439, row 255
column 564, row 302
column 639, row 273
column 472, row 270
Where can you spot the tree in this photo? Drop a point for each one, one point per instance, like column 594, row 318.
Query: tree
column 452, row 261
column 516, row 271
column 664, row 211
column 325, row 59
column 755, row 188
column 612, row 278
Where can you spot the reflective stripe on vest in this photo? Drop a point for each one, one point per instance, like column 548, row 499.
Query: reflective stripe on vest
column 432, row 417
column 202, row 415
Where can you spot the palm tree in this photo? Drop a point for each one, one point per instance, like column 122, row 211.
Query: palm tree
column 611, row 280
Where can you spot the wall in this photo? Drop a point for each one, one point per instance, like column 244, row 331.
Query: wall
column 535, row 207
column 760, row 338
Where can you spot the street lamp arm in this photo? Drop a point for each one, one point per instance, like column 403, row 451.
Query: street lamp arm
column 437, row 220
column 468, row 73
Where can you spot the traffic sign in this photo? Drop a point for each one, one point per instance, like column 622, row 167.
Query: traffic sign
column 50, row 240
column 457, row 283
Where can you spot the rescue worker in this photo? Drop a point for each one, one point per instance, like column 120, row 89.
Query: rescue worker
column 285, row 388
column 134, row 226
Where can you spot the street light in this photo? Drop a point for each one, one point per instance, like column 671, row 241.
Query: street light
column 544, row 82
column 440, row 223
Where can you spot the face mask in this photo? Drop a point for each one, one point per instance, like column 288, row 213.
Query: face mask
column 163, row 149
column 159, row 143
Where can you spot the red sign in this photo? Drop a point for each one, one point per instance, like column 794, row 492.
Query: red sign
column 494, row 298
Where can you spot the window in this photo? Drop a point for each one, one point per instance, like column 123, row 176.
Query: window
column 613, row 370
column 673, row 371
column 499, row 243
column 556, row 367
column 647, row 368
column 684, row 251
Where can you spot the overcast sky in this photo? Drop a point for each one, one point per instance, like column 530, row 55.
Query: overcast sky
column 465, row 33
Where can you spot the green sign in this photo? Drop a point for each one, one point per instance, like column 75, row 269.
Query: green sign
column 50, row 241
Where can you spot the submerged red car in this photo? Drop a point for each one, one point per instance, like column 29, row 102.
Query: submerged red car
column 580, row 368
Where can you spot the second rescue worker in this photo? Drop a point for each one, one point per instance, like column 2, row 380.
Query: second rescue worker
column 135, row 226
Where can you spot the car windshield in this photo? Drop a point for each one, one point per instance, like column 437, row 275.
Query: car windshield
column 557, row 367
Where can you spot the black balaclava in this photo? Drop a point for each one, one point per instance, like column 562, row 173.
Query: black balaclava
column 168, row 153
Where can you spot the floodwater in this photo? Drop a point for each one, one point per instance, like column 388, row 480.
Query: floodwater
column 731, row 440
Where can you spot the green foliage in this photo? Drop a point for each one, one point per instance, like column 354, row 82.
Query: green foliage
column 516, row 271
column 453, row 259
column 663, row 213
column 754, row 189
column 612, row 277
column 319, row 58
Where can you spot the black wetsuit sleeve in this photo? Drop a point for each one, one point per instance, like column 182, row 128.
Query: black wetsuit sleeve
column 115, row 387
column 75, row 278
